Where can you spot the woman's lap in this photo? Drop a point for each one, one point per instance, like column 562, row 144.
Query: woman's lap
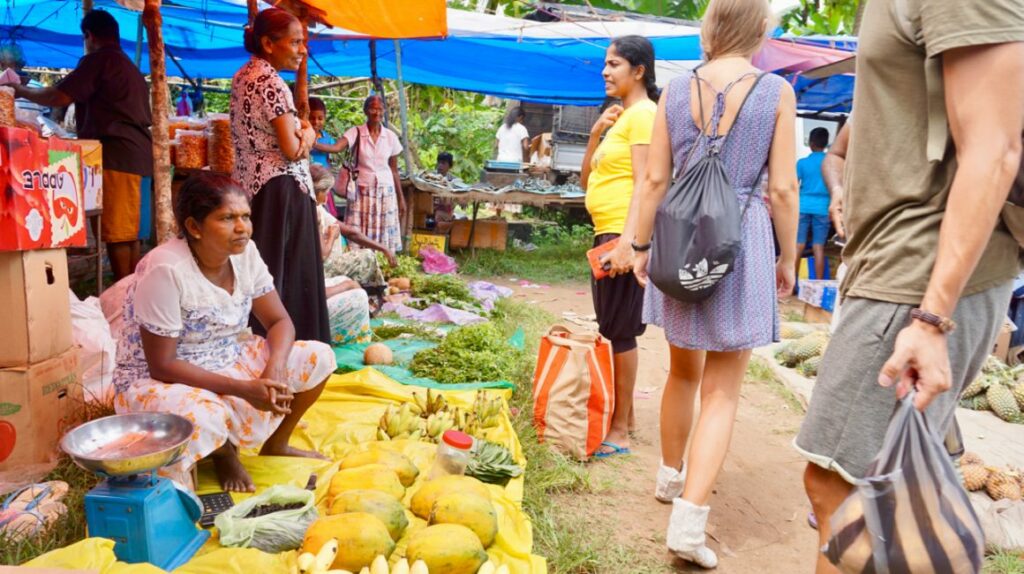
column 349, row 314
column 218, row 418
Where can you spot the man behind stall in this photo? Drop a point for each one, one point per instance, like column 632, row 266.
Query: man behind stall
column 111, row 105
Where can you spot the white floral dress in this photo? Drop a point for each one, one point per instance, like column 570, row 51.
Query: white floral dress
column 349, row 311
column 170, row 297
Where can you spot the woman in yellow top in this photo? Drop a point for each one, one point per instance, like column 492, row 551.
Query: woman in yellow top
column 613, row 169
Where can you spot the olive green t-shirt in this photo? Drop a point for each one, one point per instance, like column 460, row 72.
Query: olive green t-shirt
column 895, row 197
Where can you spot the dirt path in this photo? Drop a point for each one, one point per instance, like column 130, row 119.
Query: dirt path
column 758, row 512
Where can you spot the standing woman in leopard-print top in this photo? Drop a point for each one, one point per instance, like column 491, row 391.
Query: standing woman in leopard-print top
column 272, row 148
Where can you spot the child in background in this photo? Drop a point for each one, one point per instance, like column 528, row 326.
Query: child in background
column 325, row 144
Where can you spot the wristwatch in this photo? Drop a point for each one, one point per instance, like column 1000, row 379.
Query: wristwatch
column 944, row 324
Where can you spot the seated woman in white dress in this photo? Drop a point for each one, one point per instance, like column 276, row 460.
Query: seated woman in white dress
column 185, row 347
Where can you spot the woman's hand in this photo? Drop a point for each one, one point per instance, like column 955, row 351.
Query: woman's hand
column 390, row 257
column 620, row 259
column 307, row 137
column 785, row 278
column 267, row 395
column 640, row 267
column 607, row 120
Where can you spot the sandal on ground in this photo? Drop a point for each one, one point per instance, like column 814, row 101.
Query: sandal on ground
column 812, row 520
column 33, row 495
column 616, row 450
column 18, row 524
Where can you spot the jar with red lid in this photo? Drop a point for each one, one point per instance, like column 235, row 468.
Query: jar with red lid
column 453, row 454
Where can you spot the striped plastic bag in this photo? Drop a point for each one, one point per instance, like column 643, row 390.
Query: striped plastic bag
column 910, row 513
column 573, row 391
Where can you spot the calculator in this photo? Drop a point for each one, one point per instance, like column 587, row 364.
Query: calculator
column 214, row 504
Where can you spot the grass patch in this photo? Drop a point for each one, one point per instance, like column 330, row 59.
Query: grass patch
column 562, row 532
column 1003, row 563
column 759, row 371
column 560, row 257
column 64, row 532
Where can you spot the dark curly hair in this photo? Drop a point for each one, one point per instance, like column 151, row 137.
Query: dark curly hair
column 202, row 194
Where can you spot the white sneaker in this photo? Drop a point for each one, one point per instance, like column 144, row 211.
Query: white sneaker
column 685, row 536
column 670, row 483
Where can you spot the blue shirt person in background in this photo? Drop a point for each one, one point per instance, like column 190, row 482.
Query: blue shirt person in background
column 814, row 200
column 325, row 144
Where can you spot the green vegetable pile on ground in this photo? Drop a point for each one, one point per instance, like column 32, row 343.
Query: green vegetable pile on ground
column 444, row 289
column 407, row 266
column 389, row 331
column 469, row 354
column 492, row 463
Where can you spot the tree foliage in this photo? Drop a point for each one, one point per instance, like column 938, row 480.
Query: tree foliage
column 826, row 17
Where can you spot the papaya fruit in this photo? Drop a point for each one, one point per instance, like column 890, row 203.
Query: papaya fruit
column 398, row 462
column 447, row 548
column 469, row 510
column 380, row 504
column 423, row 501
column 361, row 538
column 369, row 477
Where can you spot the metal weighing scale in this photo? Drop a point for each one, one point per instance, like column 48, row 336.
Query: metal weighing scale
column 149, row 518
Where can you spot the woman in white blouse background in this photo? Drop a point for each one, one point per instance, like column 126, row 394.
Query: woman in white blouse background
column 185, row 346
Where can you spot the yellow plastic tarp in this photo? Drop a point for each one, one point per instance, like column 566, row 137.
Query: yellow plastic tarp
column 343, row 421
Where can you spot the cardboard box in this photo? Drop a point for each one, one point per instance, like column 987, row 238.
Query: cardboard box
column 1002, row 346
column 421, row 238
column 813, row 314
column 92, row 173
column 44, row 203
column 489, row 234
column 38, row 404
column 820, row 294
column 37, row 312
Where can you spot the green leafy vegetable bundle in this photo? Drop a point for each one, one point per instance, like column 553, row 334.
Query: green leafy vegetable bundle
column 472, row 353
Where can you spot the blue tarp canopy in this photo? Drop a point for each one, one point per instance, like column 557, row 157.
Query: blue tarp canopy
column 558, row 62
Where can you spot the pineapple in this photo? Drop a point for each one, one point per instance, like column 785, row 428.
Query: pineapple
column 785, row 354
column 1003, row 402
column 977, row 387
column 1018, row 393
column 1002, row 485
column 794, row 330
column 975, row 476
column 978, row 403
column 809, row 368
column 812, row 345
column 971, row 458
column 994, row 366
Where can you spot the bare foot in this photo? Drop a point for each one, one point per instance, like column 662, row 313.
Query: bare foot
column 230, row 473
column 273, row 450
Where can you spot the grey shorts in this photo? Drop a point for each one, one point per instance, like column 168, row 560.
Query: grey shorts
column 849, row 412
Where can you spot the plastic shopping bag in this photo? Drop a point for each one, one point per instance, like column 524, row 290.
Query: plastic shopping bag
column 437, row 263
column 910, row 513
column 274, row 532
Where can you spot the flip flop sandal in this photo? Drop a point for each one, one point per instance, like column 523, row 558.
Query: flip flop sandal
column 30, row 496
column 16, row 525
column 812, row 520
column 616, row 450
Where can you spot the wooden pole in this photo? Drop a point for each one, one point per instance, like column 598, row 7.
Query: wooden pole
column 165, row 226
column 253, row 10
column 302, row 75
column 403, row 110
column 86, row 6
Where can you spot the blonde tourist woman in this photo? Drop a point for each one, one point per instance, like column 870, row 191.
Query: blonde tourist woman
column 710, row 341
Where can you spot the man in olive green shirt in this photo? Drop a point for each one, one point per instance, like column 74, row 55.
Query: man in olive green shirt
column 937, row 142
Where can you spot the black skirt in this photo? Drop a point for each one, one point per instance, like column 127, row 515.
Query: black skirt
column 619, row 305
column 285, row 230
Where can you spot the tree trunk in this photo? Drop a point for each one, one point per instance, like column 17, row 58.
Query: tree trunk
column 86, row 6
column 302, row 76
column 859, row 17
column 253, row 10
column 165, row 226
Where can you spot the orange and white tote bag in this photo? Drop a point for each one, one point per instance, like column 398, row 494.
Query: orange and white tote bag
column 573, row 391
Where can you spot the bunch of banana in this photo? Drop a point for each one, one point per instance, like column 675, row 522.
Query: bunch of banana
column 487, row 411
column 308, row 563
column 398, row 424
column 438, row 423
column 426, row 406
column 490, row 567
column 380, row 566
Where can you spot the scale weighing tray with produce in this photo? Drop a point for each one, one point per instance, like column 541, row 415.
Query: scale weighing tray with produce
column 149, row 518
